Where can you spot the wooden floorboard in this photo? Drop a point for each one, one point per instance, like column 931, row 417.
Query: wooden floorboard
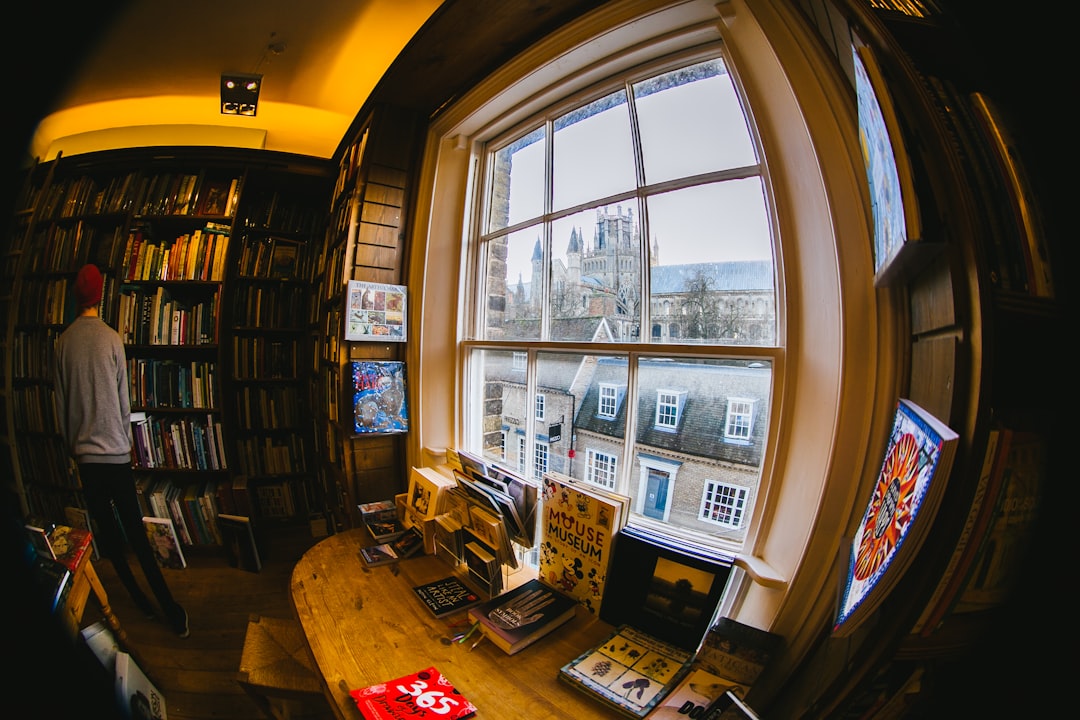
column 197, row 674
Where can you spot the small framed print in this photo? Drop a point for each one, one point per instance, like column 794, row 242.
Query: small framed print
column 375, row 311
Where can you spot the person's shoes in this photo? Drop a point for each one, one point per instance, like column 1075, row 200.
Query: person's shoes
column 180, row 624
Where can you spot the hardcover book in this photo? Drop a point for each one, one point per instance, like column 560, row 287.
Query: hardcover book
column 238, row 539
column 70, row 544
column 162, row 537
column 381, row 554
column 410, row 543
column 696, row 695
column 577, row 533
column 904, row 499
column 419, row 695
column 446, row 596
column 630, row 672
column 520, row 617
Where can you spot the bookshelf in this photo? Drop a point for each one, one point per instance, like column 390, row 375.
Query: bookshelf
column 269, row 370
column 163, row 225
column 365, row 240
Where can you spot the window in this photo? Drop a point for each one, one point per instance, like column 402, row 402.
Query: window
column 667, row 409
column 521, row 453
column 609, row 400
column 520, row 360
column 601, row 469
column 723, row 504
column 643, row 197
column 520, row 257
column 540, row 459
column 740, row 418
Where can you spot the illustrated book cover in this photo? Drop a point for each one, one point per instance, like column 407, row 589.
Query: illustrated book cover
column 162, row 536
column 446, row 596
column 71, row 544
column 577, row 534
column 630, row 672
column 381, row 554
column 696, row 696
column 904, row 499
column 418, row 696
column 519, row 617
column 238, row 539
column 408, row 543
column 136, row 696
column 379, row 399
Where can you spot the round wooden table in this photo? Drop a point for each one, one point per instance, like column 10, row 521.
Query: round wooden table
column 366, row 626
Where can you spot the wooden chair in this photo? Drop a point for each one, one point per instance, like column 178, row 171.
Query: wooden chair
column 277, row 673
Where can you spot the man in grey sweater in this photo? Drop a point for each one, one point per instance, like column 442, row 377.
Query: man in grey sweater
column 94, row 413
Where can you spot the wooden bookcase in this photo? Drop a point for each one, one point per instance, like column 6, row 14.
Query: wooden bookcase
column 364, row 241
column 167, row 228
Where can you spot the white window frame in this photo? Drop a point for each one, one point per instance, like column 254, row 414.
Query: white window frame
column 836, row 362
column 539, row 406
column 541, row 458
column 721, row 496
column 669, row 404
column 739, row 424
column 608, row 406
column 601, row 468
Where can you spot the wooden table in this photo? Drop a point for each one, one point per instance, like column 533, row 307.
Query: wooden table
column 365, row 626
column 75, row 551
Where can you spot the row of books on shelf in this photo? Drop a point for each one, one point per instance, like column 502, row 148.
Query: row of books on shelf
column 155, row 317
column 35, row 408
column 163, row 193
column 263, row 358
column 31, row 352
column 271, row 258
column 198, row 255
column 171, row 384
column 178, row 443
column 280, row 308
column 271, row 455
column 281, row 212
column 277, row 407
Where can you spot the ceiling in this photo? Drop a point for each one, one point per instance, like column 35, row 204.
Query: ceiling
column 155, row 69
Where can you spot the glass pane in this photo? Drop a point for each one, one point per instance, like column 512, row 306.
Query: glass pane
column 712, row 265
column 701, row 428
column 596, row 276
column 517, row 186
column 691, row 122
column 513, row 286
column 496, row 380
column 593, row 152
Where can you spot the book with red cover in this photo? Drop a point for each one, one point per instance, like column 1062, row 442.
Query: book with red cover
column 70, row 544
column 419, row 695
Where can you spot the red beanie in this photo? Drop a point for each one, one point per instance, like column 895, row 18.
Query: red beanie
column 88, row 286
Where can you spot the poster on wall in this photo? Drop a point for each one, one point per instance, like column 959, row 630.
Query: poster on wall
column 375, row 311
column 903, row 502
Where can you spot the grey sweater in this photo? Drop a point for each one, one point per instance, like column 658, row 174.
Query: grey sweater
column 91, row 385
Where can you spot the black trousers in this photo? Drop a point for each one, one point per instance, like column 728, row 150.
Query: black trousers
column 113, row 504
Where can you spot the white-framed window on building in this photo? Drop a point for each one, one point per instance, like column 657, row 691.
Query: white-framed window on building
column 541, row 402
column 502, row 445
column 740, row 420
column 609, row 400
column 601, row 468
column 668, row 408
column 724, row 504
column 541, row 455
column 521, row 360
column 522, row 453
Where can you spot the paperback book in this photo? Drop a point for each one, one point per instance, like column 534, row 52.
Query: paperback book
column 166, row 545
column 446, row 596
column 419, row 695
column 520, row 617
column 630, row 672
column 136, row 696
column 238, row 539
column 578, row 525
column 381, row 554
